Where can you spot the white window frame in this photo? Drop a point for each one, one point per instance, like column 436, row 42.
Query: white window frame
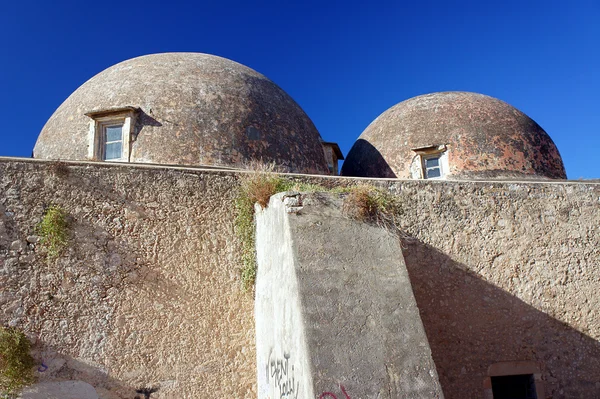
column 103, row 140
column 418, row 167
column 440, row 166
column 125, row 117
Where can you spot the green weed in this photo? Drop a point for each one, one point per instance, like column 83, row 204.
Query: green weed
column 372, row 204
column 255, row 187
column 258, row 187
column 365, row 203
column 53, row 231
column 15, row 361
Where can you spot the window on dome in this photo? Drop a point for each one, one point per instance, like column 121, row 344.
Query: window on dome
column 333, row 154
column 110, row 134
column 112, row 139
column 430, row 162
column 432, row 167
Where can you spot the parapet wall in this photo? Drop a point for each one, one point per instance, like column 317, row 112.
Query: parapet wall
column 148, row 293
column 507, row 272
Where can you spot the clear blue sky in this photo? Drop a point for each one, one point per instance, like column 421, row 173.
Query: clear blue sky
column 344, row 62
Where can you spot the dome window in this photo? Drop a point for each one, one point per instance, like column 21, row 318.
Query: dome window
column 112, row 142
column 253, row 133
column 430, row 162
column 432, row 166
column 110, row 134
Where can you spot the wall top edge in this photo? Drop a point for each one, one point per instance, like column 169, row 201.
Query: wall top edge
column 234, row 171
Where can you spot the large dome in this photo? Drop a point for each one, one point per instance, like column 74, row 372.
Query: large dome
column 454, row 135
column 184, row 109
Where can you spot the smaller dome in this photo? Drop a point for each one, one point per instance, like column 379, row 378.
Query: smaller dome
column 456, row 135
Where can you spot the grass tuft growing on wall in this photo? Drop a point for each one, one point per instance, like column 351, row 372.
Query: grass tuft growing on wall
column 372, row 204
column 255, row 187
column 258, row 187
column 53, row 231
column 244, row 229
column 16, row 364
column 365, row 203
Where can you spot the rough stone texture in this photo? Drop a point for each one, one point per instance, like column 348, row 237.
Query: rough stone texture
column 195, row 109
column 147, row 293
column 507, row 272
column 335, row 312
column 486, row 138
column 60, row 390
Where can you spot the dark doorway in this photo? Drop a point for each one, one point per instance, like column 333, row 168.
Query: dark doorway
column 514, row 387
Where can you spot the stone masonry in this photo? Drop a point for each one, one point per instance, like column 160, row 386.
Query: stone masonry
column 148, row 292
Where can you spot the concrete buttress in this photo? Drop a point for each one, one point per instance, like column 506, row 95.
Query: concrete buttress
column 335, row 313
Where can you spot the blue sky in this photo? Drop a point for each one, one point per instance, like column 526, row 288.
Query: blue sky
column 344, row 62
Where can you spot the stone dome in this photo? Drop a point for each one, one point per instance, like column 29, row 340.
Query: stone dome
column 183, row 109
column 454, row 135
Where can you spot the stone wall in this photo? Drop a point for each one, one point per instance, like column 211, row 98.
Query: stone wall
column 147, row 294
column 507, row 272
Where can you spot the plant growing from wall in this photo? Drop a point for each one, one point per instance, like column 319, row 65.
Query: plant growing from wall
column 16, row 364
column 255, row 187
column 372, row 204
column 244, row 229
column 53, row 231
column 364, row 203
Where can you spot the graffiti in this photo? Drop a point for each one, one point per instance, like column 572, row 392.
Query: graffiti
column 282, row 374
column 331, row 395
column 42, row 368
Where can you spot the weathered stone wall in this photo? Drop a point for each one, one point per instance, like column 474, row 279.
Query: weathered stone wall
column 148, row 294
column 507, row 271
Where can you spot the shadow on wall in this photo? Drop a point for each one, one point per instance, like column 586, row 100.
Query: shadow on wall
column 364, row 160
column 472, row 324
column 64, row 376
column 144, row 119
